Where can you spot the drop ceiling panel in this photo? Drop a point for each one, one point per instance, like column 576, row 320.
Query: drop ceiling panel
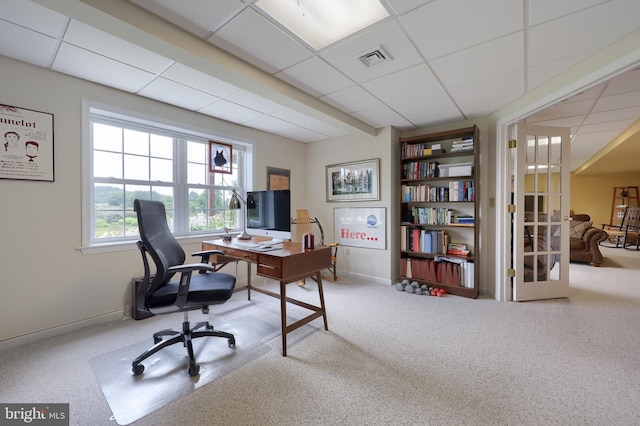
column 565, row 109
column 307, row 122
column 351, row 99
column 538, row 74
column 585, row 31
column 622, row 100
column 253, row 101
column 624, row 82
column 174, row 93
column 270, row 124
column 480, row 62
column 89, row 38
column 618, row 114
column 231, row 112
column 99, row 69
column 264, row 45
column 545, row 10
column 585, row 146
column 613, row 126
column 471, row 96
column 344, row 56
column 416, row 80
column 199, row 80
column 199, row 17
column 436, row 33
column 315, row 76
column 30, row 15
column 34, row 48
column 382, row 116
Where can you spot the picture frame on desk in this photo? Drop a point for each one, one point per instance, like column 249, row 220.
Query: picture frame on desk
column 354, row 181
column 220, row 157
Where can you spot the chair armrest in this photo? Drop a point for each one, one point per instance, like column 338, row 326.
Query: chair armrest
column 205, row 255
column 190, row 267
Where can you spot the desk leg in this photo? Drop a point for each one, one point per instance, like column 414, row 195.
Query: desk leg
column 321, row 294
column 248, row 280
column 283, row 314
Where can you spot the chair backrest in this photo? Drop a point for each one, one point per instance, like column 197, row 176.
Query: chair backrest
column 632, row 219
column 158, row 240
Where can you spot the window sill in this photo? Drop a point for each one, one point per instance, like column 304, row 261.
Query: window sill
column 131, row 245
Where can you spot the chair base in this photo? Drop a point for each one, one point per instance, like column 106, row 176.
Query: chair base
column 185, row 337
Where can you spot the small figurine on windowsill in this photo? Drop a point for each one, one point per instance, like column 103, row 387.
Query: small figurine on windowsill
column 226, row 237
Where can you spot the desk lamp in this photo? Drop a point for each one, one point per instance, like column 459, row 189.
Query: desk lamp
column 237, row 202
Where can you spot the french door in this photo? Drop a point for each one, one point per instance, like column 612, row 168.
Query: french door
column 540, row 223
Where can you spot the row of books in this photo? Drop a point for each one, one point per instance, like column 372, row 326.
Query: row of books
column 439, row 271
column 456, row 191
column 420, row 169
column 432, row 215
column 420, row 149
column 465, row 144
column 433, row 241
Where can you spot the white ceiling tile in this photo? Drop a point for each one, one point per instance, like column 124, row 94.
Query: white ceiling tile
column 270, row 124
column 31, row 15
column 351, row 99
column 436, row 33
column 403, row 6
column 97, row 41
column 564, row 109
column 610, row 126
column 199, row 80
column 617, row 114
column 582, row 32
column 539, row 74
column 383, row 116
column 303, row 135
column 480, row 62
column 315, row 76
column 255, row 102
column 264, row 45
column 567, row 122
column 416, row 80
column 178, row 94
column 344, row 56
column 585, row 146
column 623, row 100
column 546, row 10
column 99, row 69
column 34, row 48
column 495, row 92
column 199, row 17
column 307, row 122
column 623, row 82
column 231, row 112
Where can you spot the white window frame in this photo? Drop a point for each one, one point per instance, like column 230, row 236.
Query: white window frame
column 120, row 116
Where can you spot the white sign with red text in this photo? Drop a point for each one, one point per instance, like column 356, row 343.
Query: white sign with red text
column 360, row 227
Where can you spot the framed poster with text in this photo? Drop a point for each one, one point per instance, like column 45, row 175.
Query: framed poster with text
column 360, row 227
column 27, row 144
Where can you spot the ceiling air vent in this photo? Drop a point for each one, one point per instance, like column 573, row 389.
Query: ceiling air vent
column 374, row 56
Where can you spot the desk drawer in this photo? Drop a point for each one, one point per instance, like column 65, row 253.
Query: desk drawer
column 270, row 266
column 242, row 255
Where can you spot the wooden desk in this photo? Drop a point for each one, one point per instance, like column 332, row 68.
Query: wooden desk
column 286, row 265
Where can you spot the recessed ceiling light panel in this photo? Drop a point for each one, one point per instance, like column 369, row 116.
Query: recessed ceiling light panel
column 322, row 22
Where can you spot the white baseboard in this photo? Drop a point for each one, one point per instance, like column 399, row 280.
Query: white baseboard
column 365, row 277
column 36, row 336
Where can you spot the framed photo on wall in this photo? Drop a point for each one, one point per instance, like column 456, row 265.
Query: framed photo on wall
column 356, row 181
column 220, row 157
column 26, row 152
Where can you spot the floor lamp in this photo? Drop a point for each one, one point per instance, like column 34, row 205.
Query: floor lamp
column 237, row 202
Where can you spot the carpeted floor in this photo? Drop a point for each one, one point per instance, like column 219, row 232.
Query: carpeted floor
column 389, row 358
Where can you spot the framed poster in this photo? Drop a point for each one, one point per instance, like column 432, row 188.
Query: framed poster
column 356, row 181
column 220, row 157
column 277, row 178
column 360, row 227
column 27, row 145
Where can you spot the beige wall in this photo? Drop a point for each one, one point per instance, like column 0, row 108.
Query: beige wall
column 593, row 195
column 47, row 282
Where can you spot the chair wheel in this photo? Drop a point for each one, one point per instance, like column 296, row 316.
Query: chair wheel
column 137, row 369
column 232, row 342
column 194, row 370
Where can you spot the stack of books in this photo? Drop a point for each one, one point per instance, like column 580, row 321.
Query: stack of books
column 465, row 144
column 465, row 220
column 457, row 249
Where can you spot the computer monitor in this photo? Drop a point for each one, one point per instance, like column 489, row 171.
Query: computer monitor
column 269, row 214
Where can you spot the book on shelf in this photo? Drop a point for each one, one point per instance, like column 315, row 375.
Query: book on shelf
column 465, row 144
column 465, row 220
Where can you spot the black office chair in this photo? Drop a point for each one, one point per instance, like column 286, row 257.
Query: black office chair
column 158, row 294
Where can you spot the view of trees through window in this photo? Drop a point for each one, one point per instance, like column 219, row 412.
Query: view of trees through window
column 130, row 163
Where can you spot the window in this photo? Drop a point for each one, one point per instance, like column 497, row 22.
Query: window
column 134, row 158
